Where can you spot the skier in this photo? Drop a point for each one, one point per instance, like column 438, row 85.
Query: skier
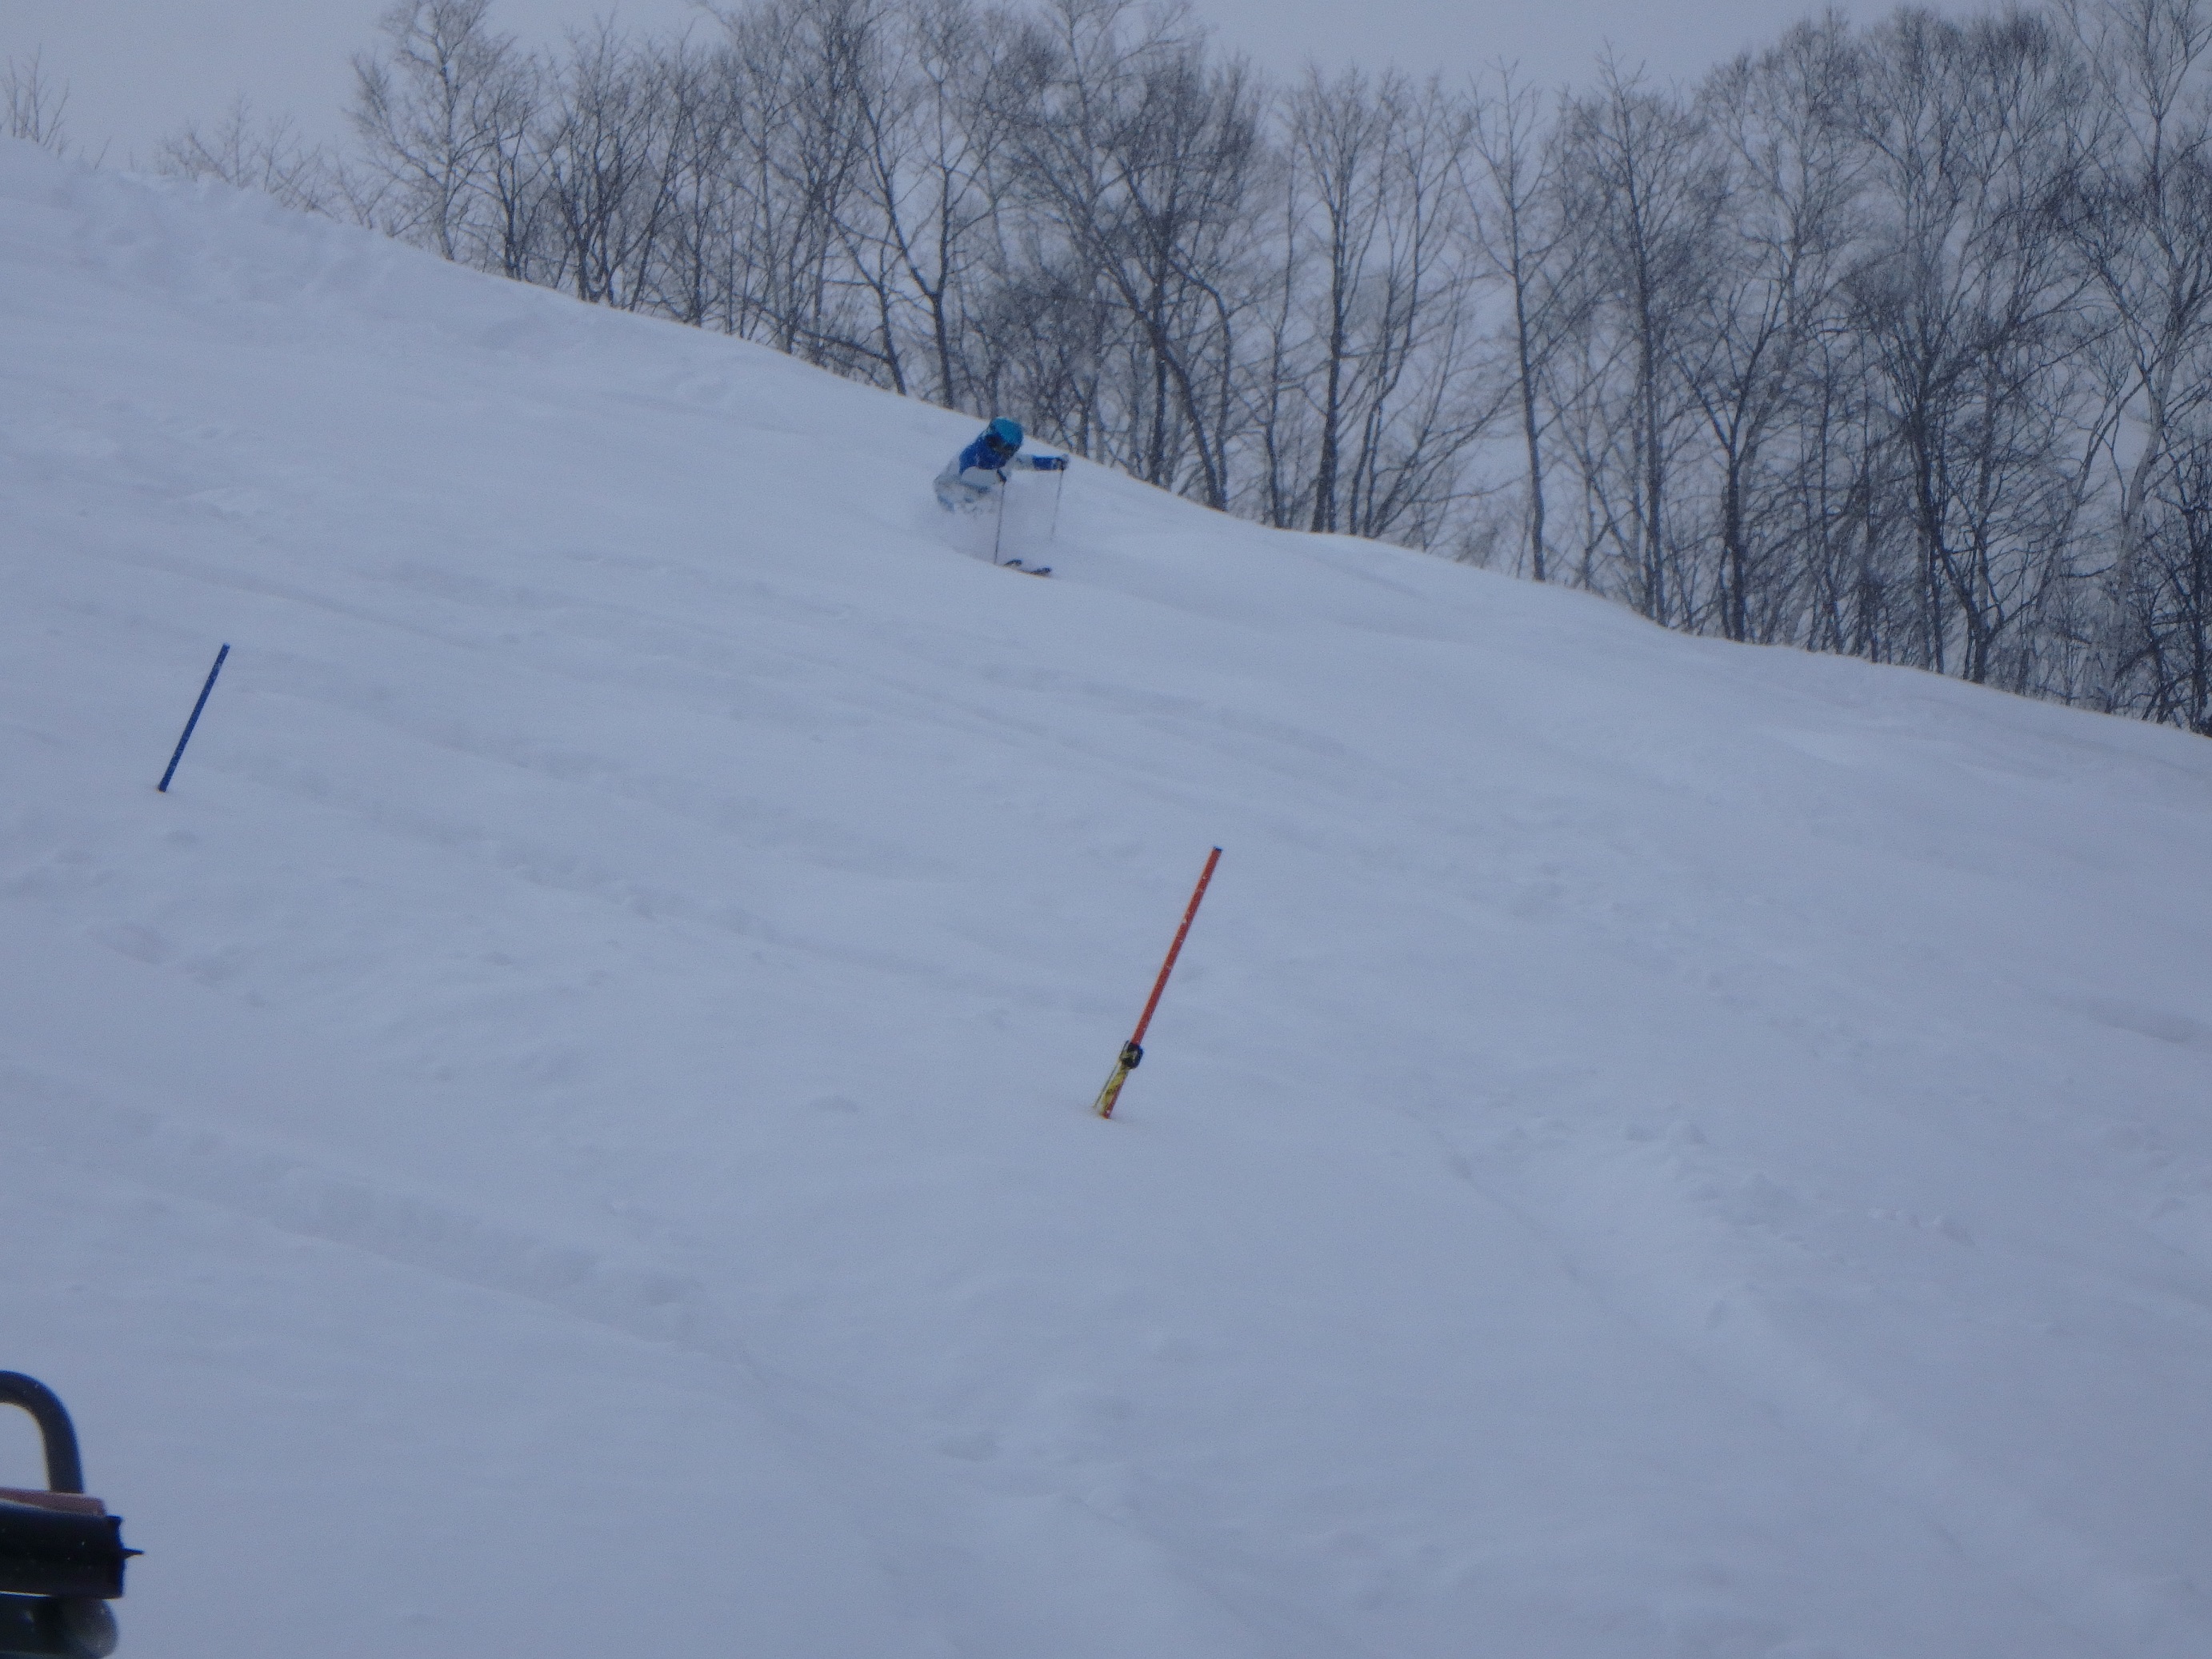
column 981, row 468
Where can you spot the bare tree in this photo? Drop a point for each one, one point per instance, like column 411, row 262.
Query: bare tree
column 796, row 73
column 247, row 152
column 1339, row 133
column 35, row 106
column 2141, row 223
column 1643, row 191
column 1512, row 179
column 694, row 277
column 2169, row 590
column 612, row 167
column 1789, row 187
column 2142, row 218
column 1967, row 310
column 439, row 109
column 1145, row 163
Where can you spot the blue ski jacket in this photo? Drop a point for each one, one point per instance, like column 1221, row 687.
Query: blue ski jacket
column 979, row 469
column 987, row 452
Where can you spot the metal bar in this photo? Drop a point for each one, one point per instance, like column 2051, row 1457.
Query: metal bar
column 1175, row 949
column 1133, row 1051
column 163, row 787
column 64, row 1469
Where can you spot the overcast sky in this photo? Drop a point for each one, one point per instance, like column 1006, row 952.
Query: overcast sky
column 139, row 69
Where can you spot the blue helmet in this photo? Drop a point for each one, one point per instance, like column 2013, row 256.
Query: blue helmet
column 1007, row 432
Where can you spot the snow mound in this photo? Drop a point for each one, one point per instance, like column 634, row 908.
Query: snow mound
column 565, row 1133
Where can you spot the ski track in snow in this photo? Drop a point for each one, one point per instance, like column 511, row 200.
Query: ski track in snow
column 564, row 1133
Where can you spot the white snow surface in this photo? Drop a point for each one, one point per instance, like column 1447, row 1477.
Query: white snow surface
column 566, row 1133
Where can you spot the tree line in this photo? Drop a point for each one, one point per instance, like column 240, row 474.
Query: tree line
column 1893, row 340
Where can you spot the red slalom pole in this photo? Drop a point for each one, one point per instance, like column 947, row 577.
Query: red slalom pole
column 1132, row 1050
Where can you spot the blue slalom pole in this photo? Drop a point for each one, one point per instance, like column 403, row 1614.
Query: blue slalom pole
column 164, row 785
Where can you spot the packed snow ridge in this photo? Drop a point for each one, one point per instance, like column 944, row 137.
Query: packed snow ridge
column 565, row 1133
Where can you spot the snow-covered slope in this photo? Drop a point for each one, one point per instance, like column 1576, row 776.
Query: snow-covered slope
column 565, row 1134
